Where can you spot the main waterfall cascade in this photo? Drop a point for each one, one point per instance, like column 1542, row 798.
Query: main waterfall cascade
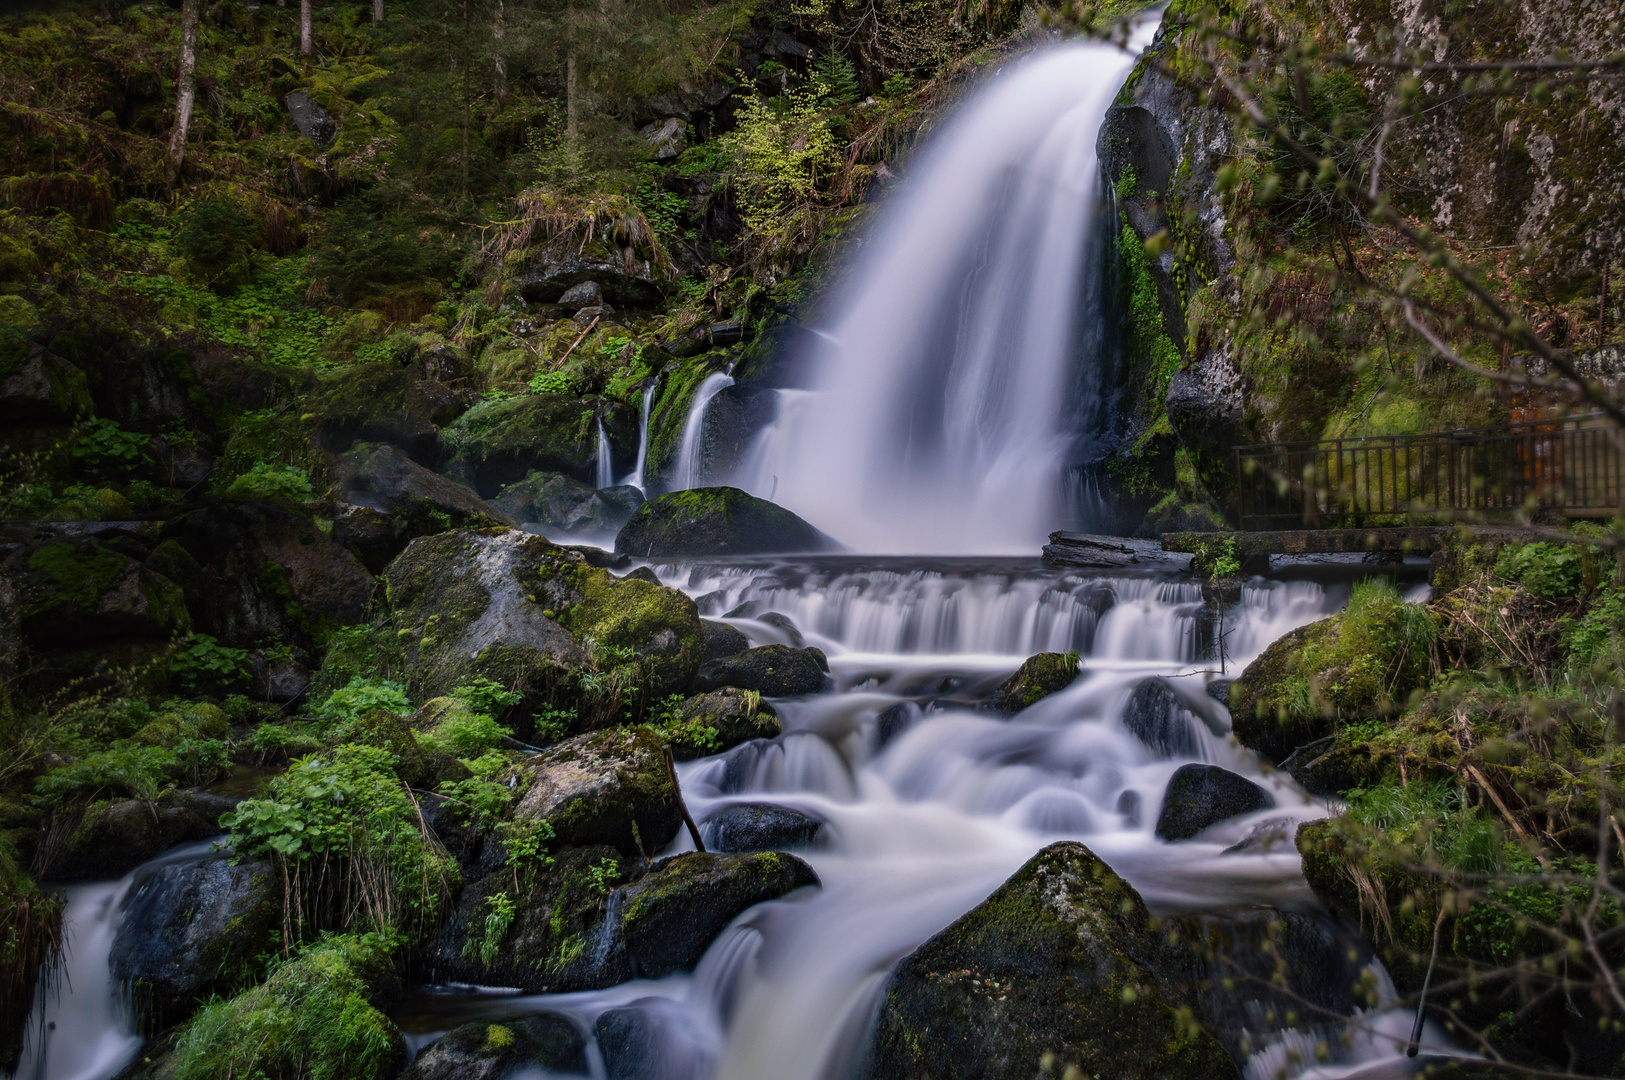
column 962, row 381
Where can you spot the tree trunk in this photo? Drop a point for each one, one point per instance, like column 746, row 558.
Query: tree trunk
column 498, row 30
column 467, row 104
column 304, row 27
column 572, row 104
column 186, row 88
column 377, row 10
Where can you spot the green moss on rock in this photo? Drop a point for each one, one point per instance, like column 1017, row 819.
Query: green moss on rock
column 1038, row 677
column 1063, row 959
column 716, row 521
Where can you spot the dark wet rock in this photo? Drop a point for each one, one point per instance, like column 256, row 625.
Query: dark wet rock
column 1270, row 836
column 774, row 670
column 563, row 505
column 108, row 839
column 314, row 122
column 278, row 679
column 1063, row 959
column 651, row 1039
column 1158, row 716
column 1202, row 795
column 77, row 592
column 500, row 443
column 597, row 556
column 1219, row 690
column 1083, row 550
column 710, row 723
column 387, row 500
column 670, row 916
column 1038, row 677
column 586, row 294
column 381, row 403
column 496, row 1051
column 893, row 722
column 783, row 624
column 517, row 608
column 594, row 918
column 667, row 138
column 747, row 610
column 1128, row 804
column 627, row 279
column 595, row 788
column 642, row 573
column 716, row 521
column 39, row 387
column 722, row 640
column 758, row 827
column 193, row 929
column 269, row 573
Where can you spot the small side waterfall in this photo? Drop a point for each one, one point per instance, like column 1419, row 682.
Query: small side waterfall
column 605, row 476
column 636, row 478
column 690, row 470
column 961, row 384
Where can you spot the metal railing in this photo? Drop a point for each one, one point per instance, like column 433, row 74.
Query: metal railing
column 1573, row 466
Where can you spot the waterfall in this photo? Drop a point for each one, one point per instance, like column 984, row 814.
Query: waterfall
column 959, row 384
column 636, row 479
column 690, row 471
column 81, row 1028
column 605, row 476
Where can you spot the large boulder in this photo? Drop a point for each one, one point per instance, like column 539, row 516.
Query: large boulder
column 758, row 827
column 1062, row 960
column 77, row 593
column 383, row 403
column 268, row 573
column 722, row 640
column 386, row 500
column 1202, row 795
column 716, row 521
column 499, row 443
column 1038, row 677
column 496, row 1051
column 593, row 918
column 566, row 506
column 517, row 608
column 194, row 929
column 652, row 1037
column 774, row 670
column 39, row 387
column 107, row 839
column 625, row 277
column 710, row 723
column 606, row 787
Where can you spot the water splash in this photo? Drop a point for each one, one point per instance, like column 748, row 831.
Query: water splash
column 690, row 469
column 960, row 384
column 636, row 478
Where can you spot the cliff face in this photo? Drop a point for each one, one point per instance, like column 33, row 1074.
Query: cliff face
column 1274, row 297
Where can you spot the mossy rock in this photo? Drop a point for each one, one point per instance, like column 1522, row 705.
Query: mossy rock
column 670, row 916
column 388, row 500
column 1063, row 959
column 193, row 930
column 386, row 731
column 1038, row 677
column 79, row 593
column 371, row 403
column 775, row 670
column 317, row 1014
column 606, row 787
column 563, row 505
column 500, row 443
column 708, row 724
column 39, row 387
column 1360, row 665
column 107, row 839
column 716, row 521
column 516, row 608
column 487, row 1051
column 198, row 720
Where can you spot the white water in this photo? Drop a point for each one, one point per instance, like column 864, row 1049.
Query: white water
column 636, row 478
column 605, row 476
column 689, row 471
column 80, row 1028
column 920, row 830
column 950, row 399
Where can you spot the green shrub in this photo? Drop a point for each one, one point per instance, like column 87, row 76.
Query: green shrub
column 348, row 808
column 271, row 480
column 282, row 740
column 310, row 1020
column 1431, row 818
column 1550, row 572
column 466, row 734
column 202, row 661
column 104, row 445
column 217, row 241
column 552, row 382
column 202, row 761
column 1597, row 635
column 486, row 696
column 839, row 78
column 128, row 770
column 362, row 695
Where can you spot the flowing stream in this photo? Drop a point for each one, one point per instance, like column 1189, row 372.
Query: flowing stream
column 689, row 471
column 636, row 477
